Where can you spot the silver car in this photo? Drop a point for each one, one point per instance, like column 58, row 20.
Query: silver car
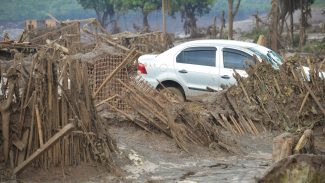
column 196, row 67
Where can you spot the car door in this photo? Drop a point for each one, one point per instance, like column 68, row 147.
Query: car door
column 233, row 59
column 195, row 67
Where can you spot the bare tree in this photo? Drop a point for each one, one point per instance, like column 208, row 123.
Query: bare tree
column 222, row 20
column 273, row 26
column 231, row 14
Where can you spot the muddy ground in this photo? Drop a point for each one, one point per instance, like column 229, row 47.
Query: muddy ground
column 149, row 157
column 146, row 157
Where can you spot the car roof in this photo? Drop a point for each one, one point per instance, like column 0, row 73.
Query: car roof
column 222, row 42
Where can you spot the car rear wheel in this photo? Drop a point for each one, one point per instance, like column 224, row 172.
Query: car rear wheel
column 173, row 93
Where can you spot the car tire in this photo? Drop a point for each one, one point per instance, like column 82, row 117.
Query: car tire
column 173, row 93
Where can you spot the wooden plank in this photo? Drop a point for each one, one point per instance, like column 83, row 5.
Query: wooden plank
column 43, row 148
column 236, row 125
column 230, row 128
column 219, row 120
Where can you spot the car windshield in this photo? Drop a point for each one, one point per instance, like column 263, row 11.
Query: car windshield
column 271, row 57
column 275, row 58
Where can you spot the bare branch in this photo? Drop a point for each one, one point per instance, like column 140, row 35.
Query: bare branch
column 237, row 7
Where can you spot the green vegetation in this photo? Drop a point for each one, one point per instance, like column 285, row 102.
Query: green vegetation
column 255, row 33
column 17, row 10
column 319, row 3
column 190, row 10
column 314, row 47
column 144, row 6
column 105, row 9
column 247, row 7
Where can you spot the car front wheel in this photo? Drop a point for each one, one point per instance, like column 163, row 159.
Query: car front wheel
column 173, row 93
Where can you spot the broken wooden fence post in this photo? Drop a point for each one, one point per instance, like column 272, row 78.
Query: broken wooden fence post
column 315, row 99
column 43, row 148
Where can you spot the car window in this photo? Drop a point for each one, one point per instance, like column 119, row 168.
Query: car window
column 205, row 56
column 235, row 59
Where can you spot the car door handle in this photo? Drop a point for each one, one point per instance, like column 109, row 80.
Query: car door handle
column 182, row 71
column 225, row 77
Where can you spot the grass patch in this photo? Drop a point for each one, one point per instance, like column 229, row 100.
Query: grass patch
column 315, row 47
column 255, row 33
column 319, row 3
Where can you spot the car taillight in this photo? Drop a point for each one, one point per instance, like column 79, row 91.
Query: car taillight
column 142, row 69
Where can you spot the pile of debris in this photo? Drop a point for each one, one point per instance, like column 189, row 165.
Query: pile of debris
column 51, row 79
column 48, row 114
column 48, row 99
column 49, row 118
column 145, row 43
column 285, row 98
column 291, row 97
column 155, row 112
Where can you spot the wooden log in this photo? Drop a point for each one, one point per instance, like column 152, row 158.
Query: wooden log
column 45, row 147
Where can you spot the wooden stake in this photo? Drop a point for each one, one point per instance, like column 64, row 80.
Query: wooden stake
column 106, row 100
column 303, row 103
column 315, row 99
column 39, row 125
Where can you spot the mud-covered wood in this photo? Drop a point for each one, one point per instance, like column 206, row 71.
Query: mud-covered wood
column 305, row 168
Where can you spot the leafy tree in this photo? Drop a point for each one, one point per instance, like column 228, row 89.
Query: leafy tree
column 145, row 6
column 288, row 7
column 105, row 9
column 190, row 10
column 36, row 9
